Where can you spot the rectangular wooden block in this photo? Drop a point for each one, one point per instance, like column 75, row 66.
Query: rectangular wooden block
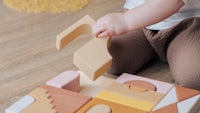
column 69, row 80
column 92, row 58
column 115, row 107
column 121, row 94
column 161, row 87
column 21, row 104
column 42, row 102
column 66, row 101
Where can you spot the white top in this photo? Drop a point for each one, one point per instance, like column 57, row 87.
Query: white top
column 190, row 9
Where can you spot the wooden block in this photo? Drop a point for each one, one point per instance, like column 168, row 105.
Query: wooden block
column 42, row 103
column 83, row 26
column 183, row 97
column 20, row 105
column 161, row 87
column 190, row 105
column 170, row 98
column 122, row 94
column 141, row 84
column 92, row 58
column 66, row 101
column 168, row 109
column 100, row 108
column 115, row 107
column 69, row 80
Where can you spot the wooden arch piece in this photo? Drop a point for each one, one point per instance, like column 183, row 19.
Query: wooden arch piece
column 92, row 58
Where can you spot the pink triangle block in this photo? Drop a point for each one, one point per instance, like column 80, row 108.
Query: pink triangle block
column 69, row 80
column 161, row 87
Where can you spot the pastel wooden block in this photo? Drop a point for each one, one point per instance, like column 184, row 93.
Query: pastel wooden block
column 92, row 58
column 190, row 105
column 69, row 80
column 161, row 87
column 168, row 109
column 99, row 108
column 182, row 97
column 42, row 103
column 137, row 98
column 115, row 107
column 83, row 26
column 20, row 105
column 170, row 98
column 66, row 101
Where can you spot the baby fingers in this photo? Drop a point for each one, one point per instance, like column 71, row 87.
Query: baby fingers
column 98, row 29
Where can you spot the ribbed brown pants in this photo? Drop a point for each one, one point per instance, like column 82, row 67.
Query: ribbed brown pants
column 179, row 46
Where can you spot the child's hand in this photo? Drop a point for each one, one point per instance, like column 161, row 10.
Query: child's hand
column 110, row 25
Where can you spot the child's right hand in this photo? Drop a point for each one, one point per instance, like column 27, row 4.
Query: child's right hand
column 110, row 25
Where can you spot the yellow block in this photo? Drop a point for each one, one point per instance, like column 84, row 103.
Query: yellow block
column 115, row 107
column 145, row 95
column 141, row 99
column 127, row 101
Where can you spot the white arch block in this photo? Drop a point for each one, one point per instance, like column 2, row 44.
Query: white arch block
column 69, row 80
column 20, row 105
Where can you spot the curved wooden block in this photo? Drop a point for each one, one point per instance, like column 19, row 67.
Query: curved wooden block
column 100, row 108
column 161, row 87
column 115, row 107
column 143, row 85
column 83, row 26
column 69, row 80
column 92, row 58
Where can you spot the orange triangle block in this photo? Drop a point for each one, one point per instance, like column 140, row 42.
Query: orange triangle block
column 172, row 108
column 185, row 93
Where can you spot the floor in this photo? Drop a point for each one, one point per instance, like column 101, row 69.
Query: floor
column 28, row 56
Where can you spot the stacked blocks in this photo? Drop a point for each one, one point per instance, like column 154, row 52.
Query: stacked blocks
column 92, row 58
column 136, row 92
column 128, row 94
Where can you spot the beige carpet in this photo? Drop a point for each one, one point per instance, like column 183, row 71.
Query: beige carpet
column 53, row 6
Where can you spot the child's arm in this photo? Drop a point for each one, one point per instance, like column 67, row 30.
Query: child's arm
column 151, row 12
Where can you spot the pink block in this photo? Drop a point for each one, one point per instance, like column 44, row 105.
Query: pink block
column 161, row 87
column 69, row 80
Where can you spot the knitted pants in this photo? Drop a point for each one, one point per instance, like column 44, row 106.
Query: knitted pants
column 179, row 46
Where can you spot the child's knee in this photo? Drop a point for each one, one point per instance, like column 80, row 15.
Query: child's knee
column 188, row 79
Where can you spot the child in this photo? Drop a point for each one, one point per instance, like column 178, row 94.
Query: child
column 167, row 28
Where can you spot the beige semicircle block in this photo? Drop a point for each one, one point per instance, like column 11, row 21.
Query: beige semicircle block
column 100, row 108
column 92, row 58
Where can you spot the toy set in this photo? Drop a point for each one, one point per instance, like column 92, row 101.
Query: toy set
column 127, row 94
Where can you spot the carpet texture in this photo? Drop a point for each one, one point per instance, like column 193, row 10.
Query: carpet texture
column 53, row 6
